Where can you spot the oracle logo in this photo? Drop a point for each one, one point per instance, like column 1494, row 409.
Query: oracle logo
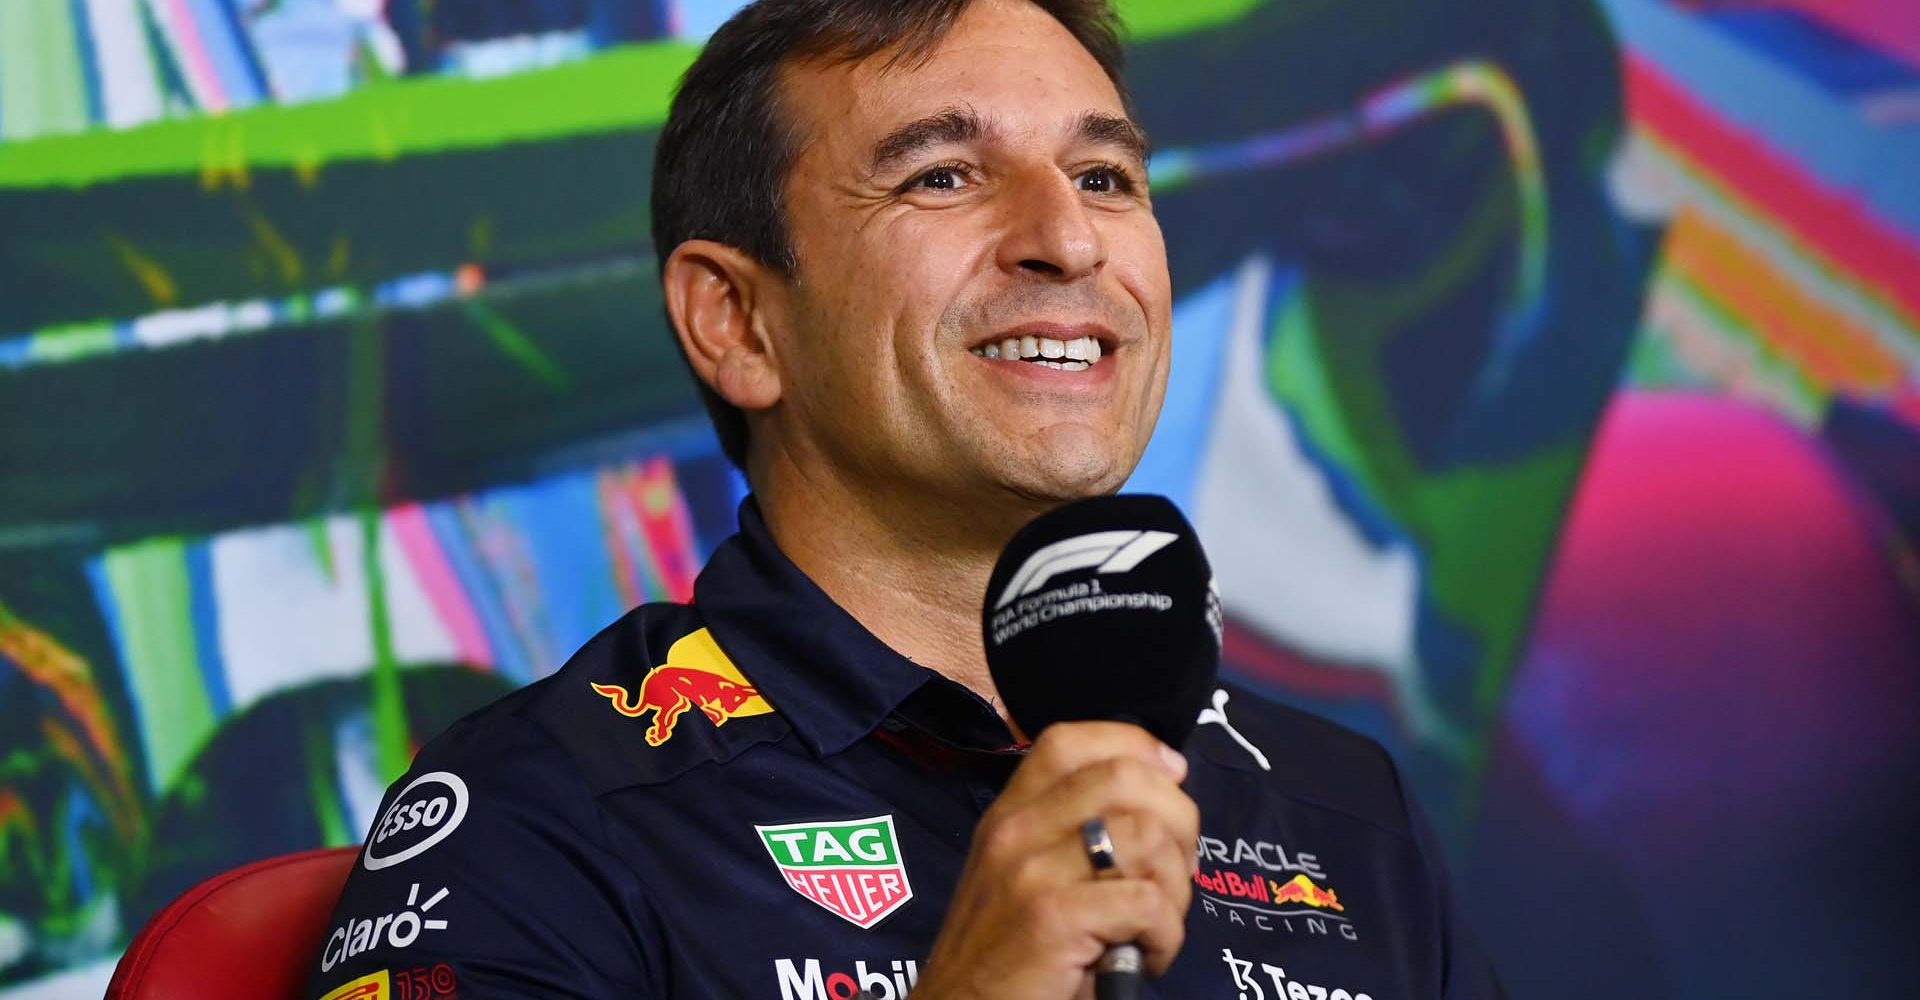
column 425, row 812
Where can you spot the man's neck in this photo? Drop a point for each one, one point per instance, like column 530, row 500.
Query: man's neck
column 915, row 582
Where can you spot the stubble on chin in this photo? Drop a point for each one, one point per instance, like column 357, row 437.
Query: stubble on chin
column 1068, row 461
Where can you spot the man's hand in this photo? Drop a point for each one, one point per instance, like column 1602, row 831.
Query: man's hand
column 1028, row 918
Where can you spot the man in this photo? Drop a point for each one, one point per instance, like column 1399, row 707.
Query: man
column 909, row 253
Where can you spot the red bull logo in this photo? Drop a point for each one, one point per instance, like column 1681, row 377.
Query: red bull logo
column 696, row 675
column 1302, row 890
column 668, row 692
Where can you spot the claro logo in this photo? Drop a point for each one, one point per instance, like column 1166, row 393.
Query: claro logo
column 391, row 930
column 422, row 815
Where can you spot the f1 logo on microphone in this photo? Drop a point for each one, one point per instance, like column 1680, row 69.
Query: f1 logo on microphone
column 1107, row 551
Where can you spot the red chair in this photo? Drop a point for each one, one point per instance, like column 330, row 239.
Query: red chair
column 251, row 932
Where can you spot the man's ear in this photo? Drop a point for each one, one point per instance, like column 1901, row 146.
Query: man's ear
column 715, row 296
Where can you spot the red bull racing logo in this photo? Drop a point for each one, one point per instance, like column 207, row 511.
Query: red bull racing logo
column 696, row 675
column 1241, row 884
column 1265, row 890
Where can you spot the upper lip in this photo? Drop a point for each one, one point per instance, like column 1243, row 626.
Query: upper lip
column 1054, row 331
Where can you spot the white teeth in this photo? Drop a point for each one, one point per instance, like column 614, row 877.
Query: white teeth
column 1072, row 355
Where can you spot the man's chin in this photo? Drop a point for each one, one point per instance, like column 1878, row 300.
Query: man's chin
column 1068, row 462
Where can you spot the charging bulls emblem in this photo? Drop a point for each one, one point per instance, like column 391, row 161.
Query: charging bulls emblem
column 696, row 675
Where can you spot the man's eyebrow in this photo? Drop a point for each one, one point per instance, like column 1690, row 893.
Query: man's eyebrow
column 944, row 126
column 960, row 125
column 1102, row 129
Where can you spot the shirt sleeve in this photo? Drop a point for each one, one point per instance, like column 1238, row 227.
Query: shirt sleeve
column 1466, row 974
column 485, row 875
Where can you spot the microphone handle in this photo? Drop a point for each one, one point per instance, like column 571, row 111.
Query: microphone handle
column 1117, row 975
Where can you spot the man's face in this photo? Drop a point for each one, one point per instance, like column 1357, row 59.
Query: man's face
column 994, row 194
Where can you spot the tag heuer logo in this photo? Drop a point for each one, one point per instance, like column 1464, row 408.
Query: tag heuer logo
column 852, row 867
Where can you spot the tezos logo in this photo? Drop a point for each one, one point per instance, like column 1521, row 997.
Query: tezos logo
column 1248, row 983
column 395, row 930
column 422, row 815
column 806, row 981
column 1105, row 551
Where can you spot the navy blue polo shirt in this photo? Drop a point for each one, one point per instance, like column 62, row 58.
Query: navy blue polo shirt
column 752, row 796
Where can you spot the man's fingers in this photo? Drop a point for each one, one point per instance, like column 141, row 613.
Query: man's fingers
column 1030, row 901
column 1144, row 849
column 1030, row 895
column 1113, row 786
column 1069, row 746
column 1154, row 871
column 1153, row 824
column 1095, row 915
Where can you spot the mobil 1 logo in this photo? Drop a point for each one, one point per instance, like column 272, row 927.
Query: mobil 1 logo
column 807, row 980
column 425, row 813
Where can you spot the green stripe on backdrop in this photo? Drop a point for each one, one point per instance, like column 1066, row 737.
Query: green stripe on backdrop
column 72, row 343
column 1147, row 19
column 323, row 782
column 622, row 88
column 151, row 590
column 43, row 85
column 392, row 741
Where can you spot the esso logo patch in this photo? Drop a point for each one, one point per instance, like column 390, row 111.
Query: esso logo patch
column 422, row 815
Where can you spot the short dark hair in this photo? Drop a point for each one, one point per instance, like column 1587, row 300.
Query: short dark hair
column 720, row 168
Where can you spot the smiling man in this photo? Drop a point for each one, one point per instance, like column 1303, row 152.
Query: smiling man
column 909, row 254
column 956, row 316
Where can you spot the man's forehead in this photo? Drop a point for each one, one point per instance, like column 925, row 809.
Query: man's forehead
column 997, row 74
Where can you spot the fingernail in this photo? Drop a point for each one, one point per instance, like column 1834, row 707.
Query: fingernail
column 1173, row 761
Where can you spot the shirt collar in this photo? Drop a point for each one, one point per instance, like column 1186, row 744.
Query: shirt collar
column 833, row 680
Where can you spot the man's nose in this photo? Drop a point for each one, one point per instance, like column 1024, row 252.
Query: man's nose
column 1050, row 230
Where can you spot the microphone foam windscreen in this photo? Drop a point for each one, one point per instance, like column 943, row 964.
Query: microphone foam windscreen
column 1104, row 609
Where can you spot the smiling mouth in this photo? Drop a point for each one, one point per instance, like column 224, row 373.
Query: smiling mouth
column 1078, row 354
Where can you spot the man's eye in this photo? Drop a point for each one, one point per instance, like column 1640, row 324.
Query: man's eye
column 941, row 179
column 1105, row 180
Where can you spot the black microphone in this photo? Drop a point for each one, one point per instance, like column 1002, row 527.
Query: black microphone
column 1105, row 609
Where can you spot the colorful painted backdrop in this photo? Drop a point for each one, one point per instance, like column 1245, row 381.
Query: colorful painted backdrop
column 1546, row 388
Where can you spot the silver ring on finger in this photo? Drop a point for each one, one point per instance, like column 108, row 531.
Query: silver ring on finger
column 1099, row 844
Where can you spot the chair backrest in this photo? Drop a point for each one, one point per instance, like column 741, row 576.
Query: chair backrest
column 254, row 931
